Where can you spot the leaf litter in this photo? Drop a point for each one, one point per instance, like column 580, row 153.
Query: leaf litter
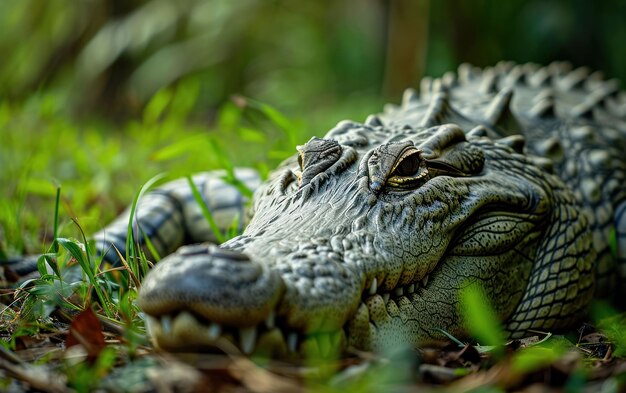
column 41, row 361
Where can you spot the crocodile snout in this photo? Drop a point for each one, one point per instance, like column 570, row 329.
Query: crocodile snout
column 196, row 294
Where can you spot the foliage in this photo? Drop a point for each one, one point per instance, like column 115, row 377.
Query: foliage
column 482, row 321
column 111, row 56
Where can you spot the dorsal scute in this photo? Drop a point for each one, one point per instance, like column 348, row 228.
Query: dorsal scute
column 467, row 73
column 559, row 68
column 439, row 107
column 449, row 79
column 409, row 97
column 575, row 79
column 516, row 76
column 549, row 147
column 499, row 113
column 516, row 142
column 477, row 132
column 542, row 162
column 425, row 86
column 374, row 121
column 504, row 66
column 489, row 83
column 511, row 98
column 544, row 104
column 584, row 110
column 541, row 78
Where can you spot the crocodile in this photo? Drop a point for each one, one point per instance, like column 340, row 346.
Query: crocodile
column 510, row 178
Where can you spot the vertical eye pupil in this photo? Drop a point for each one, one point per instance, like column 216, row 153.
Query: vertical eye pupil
column 408, row 167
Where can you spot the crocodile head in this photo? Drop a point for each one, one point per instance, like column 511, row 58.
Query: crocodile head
column 365, row 238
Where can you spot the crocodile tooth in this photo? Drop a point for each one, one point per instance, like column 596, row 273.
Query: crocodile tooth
column 214, row 331
column 270, row 320
column 373, row 286
column 411, row 288
column 292, row 342
column 166, row 323
column 386, row 297
column 424, row 281
column 323, row 343
column 399, row 291
column 150, row 323
column 247, row 339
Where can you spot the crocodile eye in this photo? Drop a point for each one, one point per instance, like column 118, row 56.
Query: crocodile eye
column 409, row 166
column 409, row 163
column 410, row 170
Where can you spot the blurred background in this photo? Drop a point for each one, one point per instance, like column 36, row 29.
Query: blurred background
column 107, row 58
column 98, row 96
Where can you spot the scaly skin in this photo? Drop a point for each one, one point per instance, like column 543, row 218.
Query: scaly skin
column 365, row 238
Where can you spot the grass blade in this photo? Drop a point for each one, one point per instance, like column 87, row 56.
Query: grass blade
column 131, row 252
column 48, row 258
column 451, row 337
column 205, row 210
column 85, row 263
column 480, row 317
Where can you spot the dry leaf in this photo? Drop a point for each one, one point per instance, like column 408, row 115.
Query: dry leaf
column 86, row 330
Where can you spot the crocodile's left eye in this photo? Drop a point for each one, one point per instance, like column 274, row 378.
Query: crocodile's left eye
column 409, row 171
column 408, row 166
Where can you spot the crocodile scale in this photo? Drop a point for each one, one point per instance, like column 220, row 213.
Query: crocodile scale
column 511, row 178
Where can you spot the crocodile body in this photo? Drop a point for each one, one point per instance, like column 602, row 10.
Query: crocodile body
column 511, row 178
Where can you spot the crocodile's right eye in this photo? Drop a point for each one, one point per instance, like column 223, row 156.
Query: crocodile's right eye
column 408, row 167
column 409, row 171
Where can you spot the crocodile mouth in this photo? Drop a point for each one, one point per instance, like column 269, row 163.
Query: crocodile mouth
column 187, row 331
column 402, row 290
